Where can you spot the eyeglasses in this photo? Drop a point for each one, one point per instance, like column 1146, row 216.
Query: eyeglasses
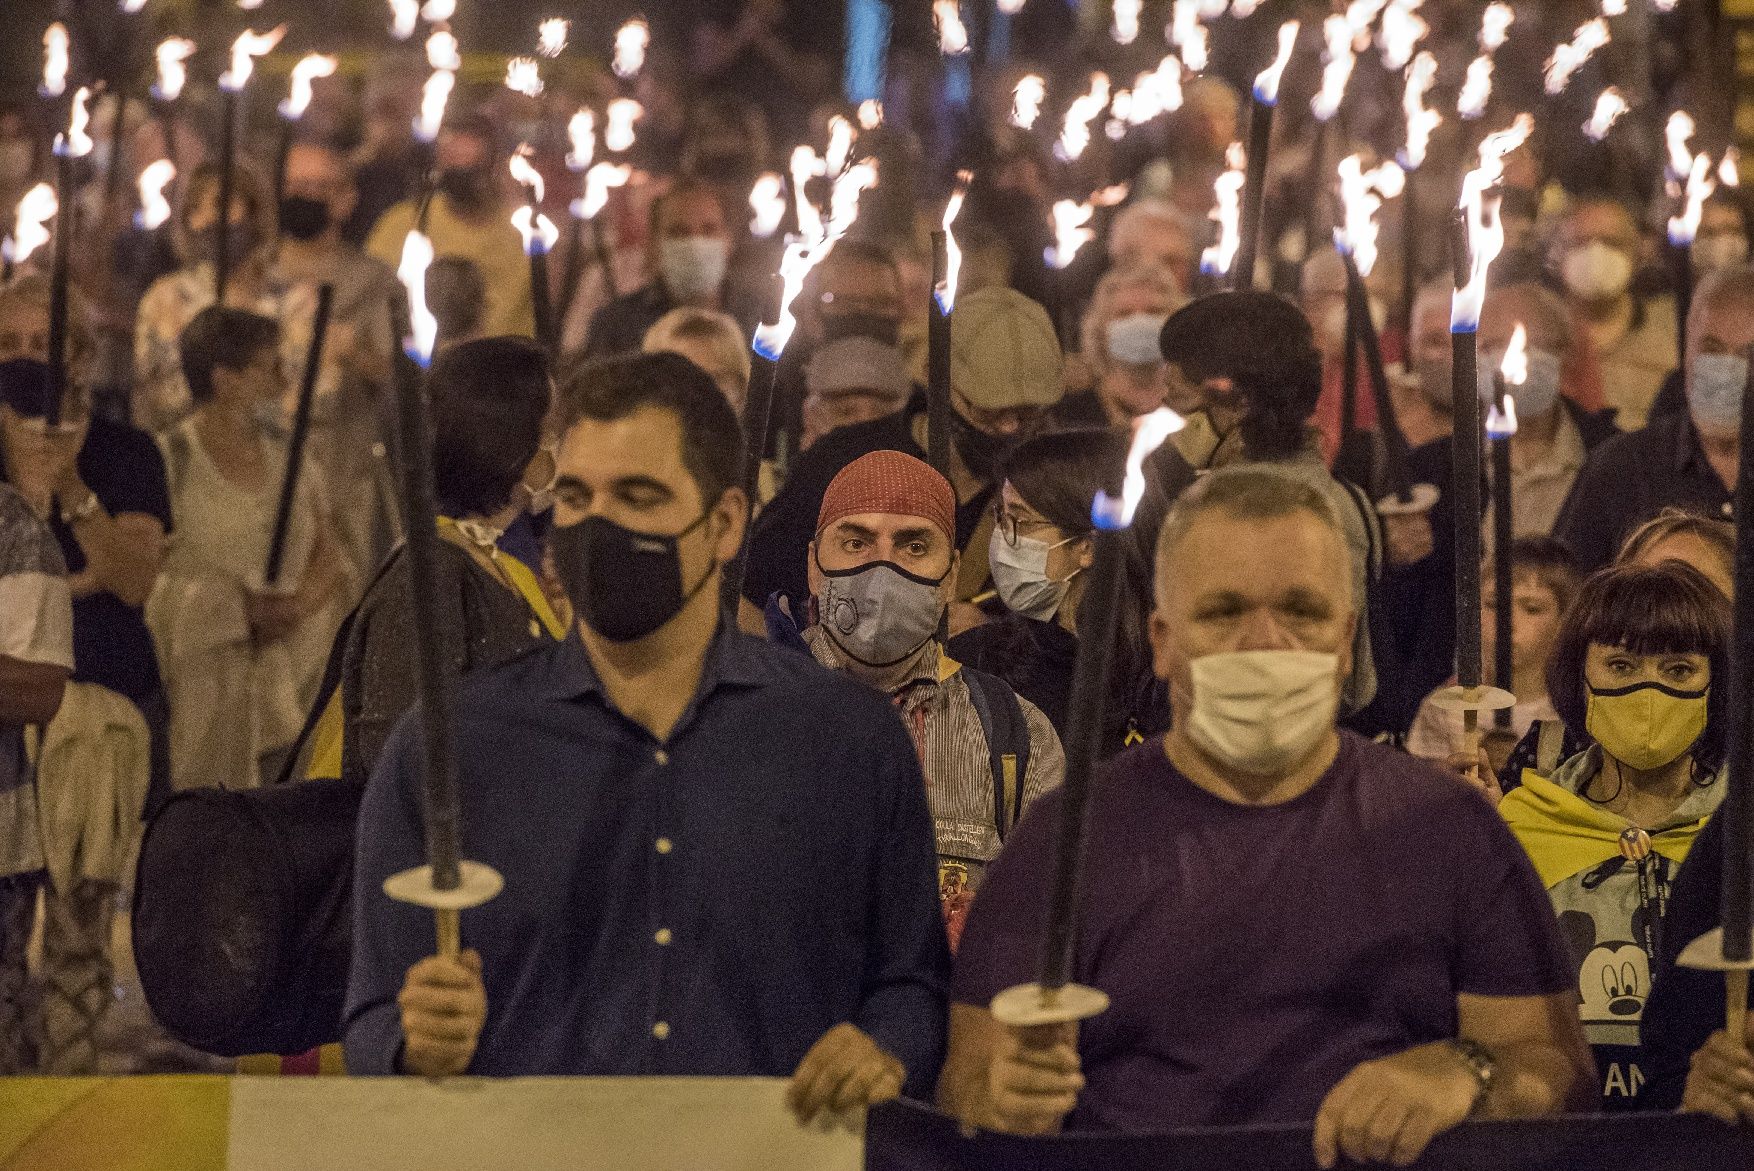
column 1011, row 526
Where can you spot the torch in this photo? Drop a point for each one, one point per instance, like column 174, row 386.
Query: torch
column 953, row 47
column 301, row 428
column 298, row 100
column 244, row 52
column 1421, row 121
column 1026, row 99
column 999, row 30
column 1075, row 132
column 56, row 61
column 1682, row 230
column 539, row 235
column 443, row 56
column 447, row 884
column 74, row 144
column 1361, row 196
column 1477, row 238
column 1071, row 232
column 1569, row 57
column 1729, row 948
column 631, row 40
column 1513, row 371
column 404, row 17
column 1218, row 258
column 581, row 133
column 1610, row 105
column 173, row 74
column 1053, row 998
column 946, row 268
column 551, row 36
column 37, row 208
column 1262, row 103
column 1338, row 58
column 123, row 80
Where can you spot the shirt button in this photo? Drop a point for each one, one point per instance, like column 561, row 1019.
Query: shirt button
column 663, row 845
column 661, row 757
column 662, row 937
column 661, row 1030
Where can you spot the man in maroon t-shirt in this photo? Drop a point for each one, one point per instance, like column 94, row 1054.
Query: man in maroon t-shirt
column 1291, row 923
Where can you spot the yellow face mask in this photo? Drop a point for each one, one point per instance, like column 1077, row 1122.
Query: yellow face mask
column 1646, row 725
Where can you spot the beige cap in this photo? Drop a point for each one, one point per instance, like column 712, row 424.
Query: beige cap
column 1003, row 352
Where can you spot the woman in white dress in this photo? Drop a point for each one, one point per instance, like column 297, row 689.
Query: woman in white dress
column 241, row 657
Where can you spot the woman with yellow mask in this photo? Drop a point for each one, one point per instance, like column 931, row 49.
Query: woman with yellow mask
column 1638, row 666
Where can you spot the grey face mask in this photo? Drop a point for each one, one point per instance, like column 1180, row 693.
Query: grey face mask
column 879, row 613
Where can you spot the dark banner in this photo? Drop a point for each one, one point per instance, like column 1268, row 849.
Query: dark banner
column 909, row 1137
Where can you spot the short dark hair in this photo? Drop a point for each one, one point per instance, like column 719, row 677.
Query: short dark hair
column 489, row 397
column 1265, row 346
column 1551, row 562
column 687, row 185
column 1664, row 609
column 222, row 338
column 712, row 440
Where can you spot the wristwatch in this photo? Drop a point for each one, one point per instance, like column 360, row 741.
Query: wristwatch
column 1480, row 1063
column 82, row 511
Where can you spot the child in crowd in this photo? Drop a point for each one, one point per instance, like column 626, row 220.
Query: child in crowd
column 1544, row 580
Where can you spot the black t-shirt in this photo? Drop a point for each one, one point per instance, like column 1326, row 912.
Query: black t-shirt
column 111, row 646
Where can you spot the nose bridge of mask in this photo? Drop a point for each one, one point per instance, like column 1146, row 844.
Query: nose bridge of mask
column 1646, row 725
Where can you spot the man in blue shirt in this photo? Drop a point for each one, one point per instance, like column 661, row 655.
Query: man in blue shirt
column 717, row 856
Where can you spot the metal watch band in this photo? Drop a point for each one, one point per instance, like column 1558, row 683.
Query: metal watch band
column 1480, row 1063
column 83, row 510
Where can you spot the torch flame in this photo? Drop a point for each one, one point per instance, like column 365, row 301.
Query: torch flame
column 172, row 73
column 76, row 143
column 771, row 338
column 551, row 36
column 1569, row 58
column 1196, row 51
column 618, row 123
column 438, row 11
column 417, row 254
column 1340, row 58
column 1360, row 15
column 870, row 114
column 1664, row 5
column 1071, row 232
column 539, row 237
column 1501, row 424
column 1485, row 230
column 434, row 96
column 524, row 75
column 1476, row 88
column 840, row 144
column 1149, row 431
column 631, row 40
column 806, row 165
column 1075, row 134
column 244, row 51
column 1154, row 93
column 1184, row 22
column 1026, row 101
column 1218, row 258
column 298, row 98
column 946, row 291
column 37, row 208
column 768, row 201
column 404, row 15
column 1609, row 107
column 55, row 53
column 132, row 7
column 1267, row 80
column 1515, row 367
column 1402, row 30
column 1243, row 9
column 598, row 180
column 1011, row 7
column 843, row 201
column 952, row 34
column 1613, row 7
column 581, row 132
column 442, row 51
column 155, row 208
column 1676, row 134
column 1684, row 227
column 526, row 175
column 1361, row 196
column 1421, row 119
column 1126, row 21
column 1495, row 26
column 1729, row 172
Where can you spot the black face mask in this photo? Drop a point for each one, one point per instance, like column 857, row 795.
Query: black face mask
column 623, row 584
column 981, row 453
column 303, row 218
column 872, row 325
column 468, row 187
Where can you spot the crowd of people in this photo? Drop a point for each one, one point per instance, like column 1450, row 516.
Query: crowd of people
column 765, row 731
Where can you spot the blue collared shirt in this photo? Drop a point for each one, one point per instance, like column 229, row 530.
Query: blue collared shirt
column 711, row 904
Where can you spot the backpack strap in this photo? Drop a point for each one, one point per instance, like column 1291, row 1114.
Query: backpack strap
column 1007, row 732
column 1372, row 528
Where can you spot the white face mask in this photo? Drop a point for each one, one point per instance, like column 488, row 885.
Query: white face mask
column 1262, row 712
column 693, row 267
column 1021, row 575
column 1596, row 271
column 1539, row 392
